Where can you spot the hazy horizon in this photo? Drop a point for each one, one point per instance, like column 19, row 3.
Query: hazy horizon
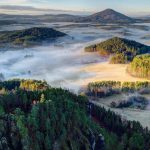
column 81, row 7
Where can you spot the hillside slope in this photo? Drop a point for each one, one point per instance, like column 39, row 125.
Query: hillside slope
column 140, row 66
column 123, row 50
column 107, row 16
column 29, row 36
column 49, row 118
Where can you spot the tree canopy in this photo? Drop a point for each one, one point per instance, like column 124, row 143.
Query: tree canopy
column 140, row 66
column 54, row 118
column 27, row 37
column 122, row 50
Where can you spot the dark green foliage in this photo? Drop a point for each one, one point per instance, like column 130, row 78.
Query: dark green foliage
column 140, row 66
column 29, row 36
column 123, row 50
column 61, row 121
column 10, row 85
column 131, row 134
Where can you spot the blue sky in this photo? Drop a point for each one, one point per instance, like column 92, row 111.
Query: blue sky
column 85, row 5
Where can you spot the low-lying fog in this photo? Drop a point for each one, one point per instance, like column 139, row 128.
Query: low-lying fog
column 60, row 63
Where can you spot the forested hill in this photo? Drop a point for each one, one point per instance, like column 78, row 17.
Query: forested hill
column 36, row 116
column 107, row 16
column 123, row 50
column 30, row 36
column 140, row 66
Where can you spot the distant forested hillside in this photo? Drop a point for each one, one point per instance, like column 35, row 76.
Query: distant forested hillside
column 140, row 66
column 36, row 116
column 107, row 16
column 123, row 50
column 27, row 37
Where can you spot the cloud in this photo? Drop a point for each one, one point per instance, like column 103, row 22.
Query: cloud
column 31, row 10
column 16, row 7
column 22, row 2
column 12, row 2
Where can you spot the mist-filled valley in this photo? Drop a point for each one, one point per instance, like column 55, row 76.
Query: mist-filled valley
column 64, row 63
column 74, row 80
column 61, row 62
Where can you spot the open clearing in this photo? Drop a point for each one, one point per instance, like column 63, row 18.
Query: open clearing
column 105, row 71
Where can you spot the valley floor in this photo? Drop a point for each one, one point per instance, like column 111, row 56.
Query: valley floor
column 115, row 72
column 106, row 71
column 127, row 113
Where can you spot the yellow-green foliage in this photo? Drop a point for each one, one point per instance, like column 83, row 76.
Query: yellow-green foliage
column 140, row 66
column 96, row 87
column 18, row 41
column 33, row 85
column 106, row 84
column 119, row 59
